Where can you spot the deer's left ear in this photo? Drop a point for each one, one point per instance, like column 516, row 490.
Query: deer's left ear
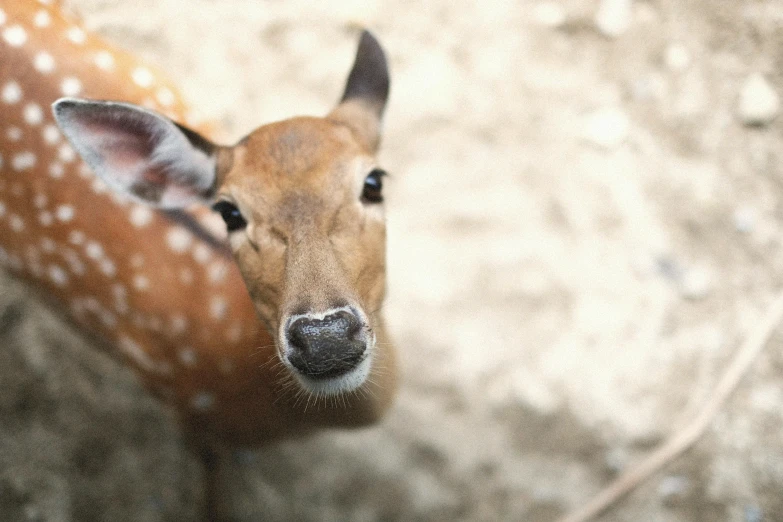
column 139, row 152
column 366, row 92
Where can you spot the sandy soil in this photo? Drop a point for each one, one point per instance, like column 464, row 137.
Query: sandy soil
column 582, row 231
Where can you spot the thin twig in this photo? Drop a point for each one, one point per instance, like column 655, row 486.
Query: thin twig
column 682, row 439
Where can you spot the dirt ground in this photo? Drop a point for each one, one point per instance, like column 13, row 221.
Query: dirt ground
column 582, row 231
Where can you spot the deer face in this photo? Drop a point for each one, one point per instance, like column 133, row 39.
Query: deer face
column 310, row 244
column 302, row 201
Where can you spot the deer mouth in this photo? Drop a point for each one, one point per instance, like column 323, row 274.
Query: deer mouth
column 330, row 352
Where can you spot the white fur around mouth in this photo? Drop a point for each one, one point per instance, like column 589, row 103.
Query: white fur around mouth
column 346, row 383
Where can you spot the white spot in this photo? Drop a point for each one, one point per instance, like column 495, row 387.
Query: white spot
column 76, row 237
column 140, row 216
column 15, row 35
column 218, row 308
column 75, row 263
column 23, row 161
column 85, row 171
column 76, row 35
column 42, row 18
column 155, row 324
column 217, row 271
column 137, row 260
column 108, row 268
column 178, row 239
column 104, row 60
column 142, row 77
column 16, row 222
column 186, row 276
column 51, row 134
column 134, row 351
column 202, row 401
column 2, row 17
column 119, row 198
column 226, row 366
column 94, row 250
column 188, row 357
column 43, row 62
column 64, row 213
column 202, row 253
column 58, row 275
column 98, row 186
column 33, row 115
column 138, row 320
column 234, row 333
column 120, row 298
column 165, row 96
column 141, row 283
column 48, row 245
column 179, row 324
column 46, row 219
column 56, row 170
column 13, row 134
column 40, row 200
column 108, row 319
column 70, row 86
column 12, row 93
column 66, row 153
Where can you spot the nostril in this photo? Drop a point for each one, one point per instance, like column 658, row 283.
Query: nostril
column 297, row 337
column 347, row 323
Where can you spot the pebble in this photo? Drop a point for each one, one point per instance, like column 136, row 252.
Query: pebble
column 696, row 284
column 606, row 127
column 549, row 14
column 673, row 486
column 744, row 219
column 758, row 102
column 677, row 57
column 616, row 459
column 753, row 514
column 614, row 17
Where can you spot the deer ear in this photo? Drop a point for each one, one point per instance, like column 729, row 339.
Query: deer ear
column 139, row 152
column 366, row 92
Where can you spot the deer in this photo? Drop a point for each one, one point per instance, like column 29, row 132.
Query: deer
column 244, row 283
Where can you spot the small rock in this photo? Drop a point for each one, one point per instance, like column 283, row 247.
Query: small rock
column 616, row 459
column 647, row 88
column 758, row 102
column 607, row 127
column 696, row 284
column 677, row 57
column 744, row 220
column 673, row 486
column 614, row 17
column 753, row 514
column 669, row 268
column 549, row 14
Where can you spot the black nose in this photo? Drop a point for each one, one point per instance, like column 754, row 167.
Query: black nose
column 328, row 347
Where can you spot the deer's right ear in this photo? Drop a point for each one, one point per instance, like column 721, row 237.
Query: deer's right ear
column 139, row 152
column 366, row 92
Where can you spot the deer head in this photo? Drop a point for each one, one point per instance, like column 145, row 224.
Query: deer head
column 302, row 202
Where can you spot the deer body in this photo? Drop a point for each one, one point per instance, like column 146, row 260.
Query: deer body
column 285, row 340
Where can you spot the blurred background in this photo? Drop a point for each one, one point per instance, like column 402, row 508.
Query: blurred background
column 584, row 222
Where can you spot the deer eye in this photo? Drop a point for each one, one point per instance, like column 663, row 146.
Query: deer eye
column 373, row 186
column 230, row 214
